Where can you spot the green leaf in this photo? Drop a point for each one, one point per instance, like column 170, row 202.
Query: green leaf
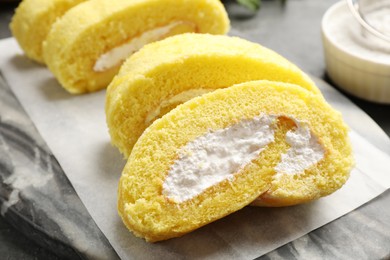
column 251, row 4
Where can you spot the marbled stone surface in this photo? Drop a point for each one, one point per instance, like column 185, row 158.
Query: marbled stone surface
column 36, row 196
column 37, row 199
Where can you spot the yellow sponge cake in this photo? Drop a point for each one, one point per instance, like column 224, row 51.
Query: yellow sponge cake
column 217, row 153
column 86, row 47
column 169, row 72
column 33, row 20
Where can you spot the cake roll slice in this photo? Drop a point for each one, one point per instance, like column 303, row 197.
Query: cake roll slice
column 172, row 71
column 86, row 47
column 216, row 153
column 32, row 22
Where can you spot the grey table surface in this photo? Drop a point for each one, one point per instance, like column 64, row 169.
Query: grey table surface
column 292, row 30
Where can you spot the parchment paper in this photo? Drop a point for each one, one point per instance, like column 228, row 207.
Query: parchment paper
column 74, row 128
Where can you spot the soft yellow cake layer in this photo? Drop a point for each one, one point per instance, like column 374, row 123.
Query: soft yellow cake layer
column 189, row 64
column 91, row 29
column 149, row 214
column 33, row 20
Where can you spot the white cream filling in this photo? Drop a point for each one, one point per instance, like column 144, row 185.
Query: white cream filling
column 215, row 156
column 218, row 155
column 304, row 152
column 117, row 55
